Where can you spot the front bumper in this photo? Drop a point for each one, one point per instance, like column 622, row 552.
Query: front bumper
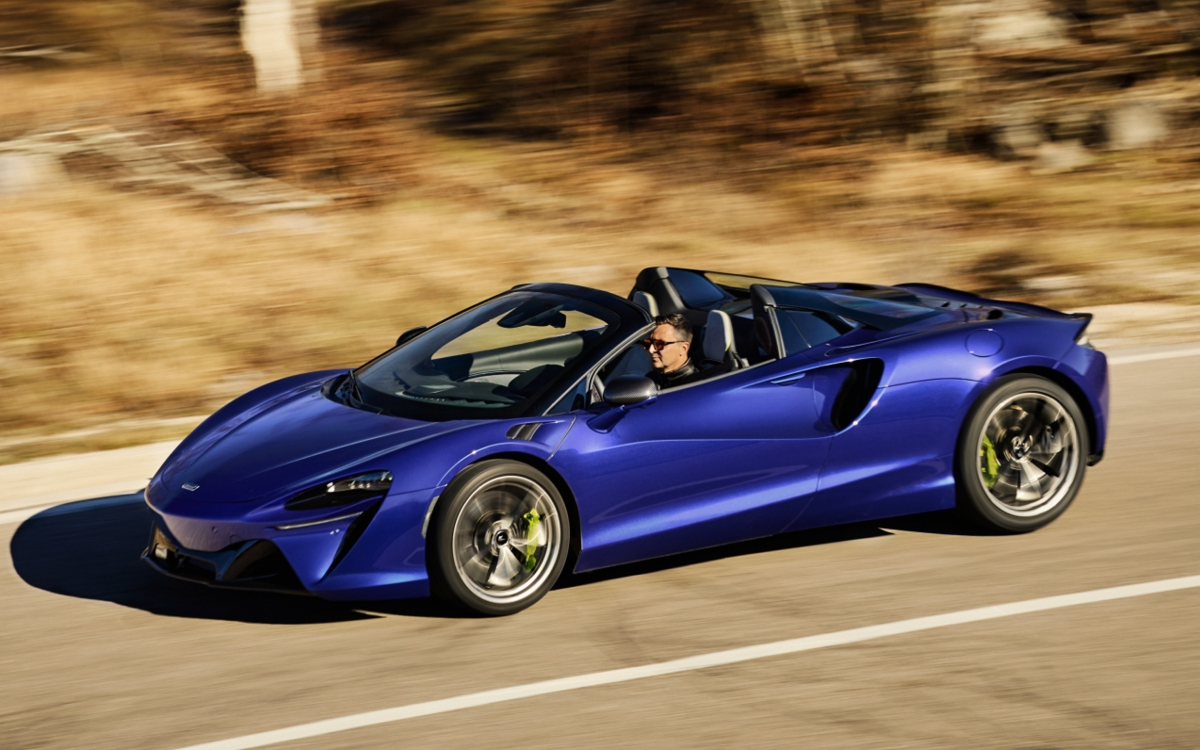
column 373, row 552
column 255, row 565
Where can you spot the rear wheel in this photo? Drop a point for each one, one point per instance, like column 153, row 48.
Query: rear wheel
column 498, row 538
column 1022, row 454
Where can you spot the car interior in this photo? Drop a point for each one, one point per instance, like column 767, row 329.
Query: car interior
column 736, row 324
column 733, row 328
column 722, row 322
column 737, row 319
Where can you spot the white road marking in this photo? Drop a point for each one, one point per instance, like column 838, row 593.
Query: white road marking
column 1129, row 359
column 692, row 663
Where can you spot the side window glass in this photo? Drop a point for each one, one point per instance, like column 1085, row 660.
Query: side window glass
column 575, row 400
column 634, row 361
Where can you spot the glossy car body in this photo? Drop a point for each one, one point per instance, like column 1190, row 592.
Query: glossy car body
column 835, row 403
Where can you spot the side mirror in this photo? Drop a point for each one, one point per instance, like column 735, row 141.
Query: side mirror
column 411, row 334
column 628, row 390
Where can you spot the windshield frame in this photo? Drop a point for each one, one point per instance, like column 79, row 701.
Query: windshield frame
column 617, row 315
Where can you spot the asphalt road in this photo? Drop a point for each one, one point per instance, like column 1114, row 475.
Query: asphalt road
column 98, row 651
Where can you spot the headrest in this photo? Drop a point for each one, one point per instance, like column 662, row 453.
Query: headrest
column 646, row 302
column 718, row 336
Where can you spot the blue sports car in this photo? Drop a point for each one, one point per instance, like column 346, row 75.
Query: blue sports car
column 481, row 457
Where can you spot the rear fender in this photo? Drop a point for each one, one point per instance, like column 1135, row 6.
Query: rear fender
column 976, row 351
column 1086, row 369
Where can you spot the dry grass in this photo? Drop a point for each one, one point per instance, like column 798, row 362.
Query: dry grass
column 119, row 305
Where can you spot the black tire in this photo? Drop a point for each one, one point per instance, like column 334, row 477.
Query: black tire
column 1021, row 456
column 498, row 539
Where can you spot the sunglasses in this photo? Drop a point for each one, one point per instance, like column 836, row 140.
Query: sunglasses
column 658, row 344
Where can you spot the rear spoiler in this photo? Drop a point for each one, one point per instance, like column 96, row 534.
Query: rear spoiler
column 1081, row 336
column 1024, row 308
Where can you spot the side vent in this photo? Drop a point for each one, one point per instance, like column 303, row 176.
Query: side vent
column 856, row 392
column 353, row 532
column 523, row 431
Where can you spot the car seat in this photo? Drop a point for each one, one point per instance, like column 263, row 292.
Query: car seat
column 719, row 344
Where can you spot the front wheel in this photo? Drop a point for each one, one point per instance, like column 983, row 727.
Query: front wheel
column 1022, row 454
column 498, row 538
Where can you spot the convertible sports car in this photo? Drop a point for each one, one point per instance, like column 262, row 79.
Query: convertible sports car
column 481, row 457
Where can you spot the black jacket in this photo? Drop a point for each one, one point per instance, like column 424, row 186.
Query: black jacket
column 681, row 376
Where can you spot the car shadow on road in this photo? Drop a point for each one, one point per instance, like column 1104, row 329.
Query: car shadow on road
column 939, row 522
column 92, row 550
column 945, row 522
column 791, row 540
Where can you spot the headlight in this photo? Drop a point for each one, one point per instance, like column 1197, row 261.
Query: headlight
column 343, row 491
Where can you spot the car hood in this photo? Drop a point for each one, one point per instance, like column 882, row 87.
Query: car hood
column 285, row 444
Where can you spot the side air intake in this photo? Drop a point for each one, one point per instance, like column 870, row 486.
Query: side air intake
column 856, row 392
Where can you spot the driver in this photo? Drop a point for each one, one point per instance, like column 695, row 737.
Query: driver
column 669, row 346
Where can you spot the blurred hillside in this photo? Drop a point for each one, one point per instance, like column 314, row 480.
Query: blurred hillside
column 753, row 84
column 170, row 236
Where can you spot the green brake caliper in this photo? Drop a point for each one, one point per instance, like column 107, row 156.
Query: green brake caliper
column 532, row 520
column 990, row 466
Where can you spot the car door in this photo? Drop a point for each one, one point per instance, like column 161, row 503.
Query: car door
column 733, row 458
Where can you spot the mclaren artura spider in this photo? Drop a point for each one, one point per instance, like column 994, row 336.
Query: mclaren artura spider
column 480, row 457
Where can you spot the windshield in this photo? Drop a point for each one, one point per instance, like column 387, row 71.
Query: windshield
column 489, row 361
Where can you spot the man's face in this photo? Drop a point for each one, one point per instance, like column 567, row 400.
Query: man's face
column 671, row 356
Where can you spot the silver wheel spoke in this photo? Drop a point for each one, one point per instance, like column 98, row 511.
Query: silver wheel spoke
column 1049, row 463
column 1028, row 424
column 506, row 568
column 479, row 566
column 1007, row 488
column 1050, row 440
column 1031, row 482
